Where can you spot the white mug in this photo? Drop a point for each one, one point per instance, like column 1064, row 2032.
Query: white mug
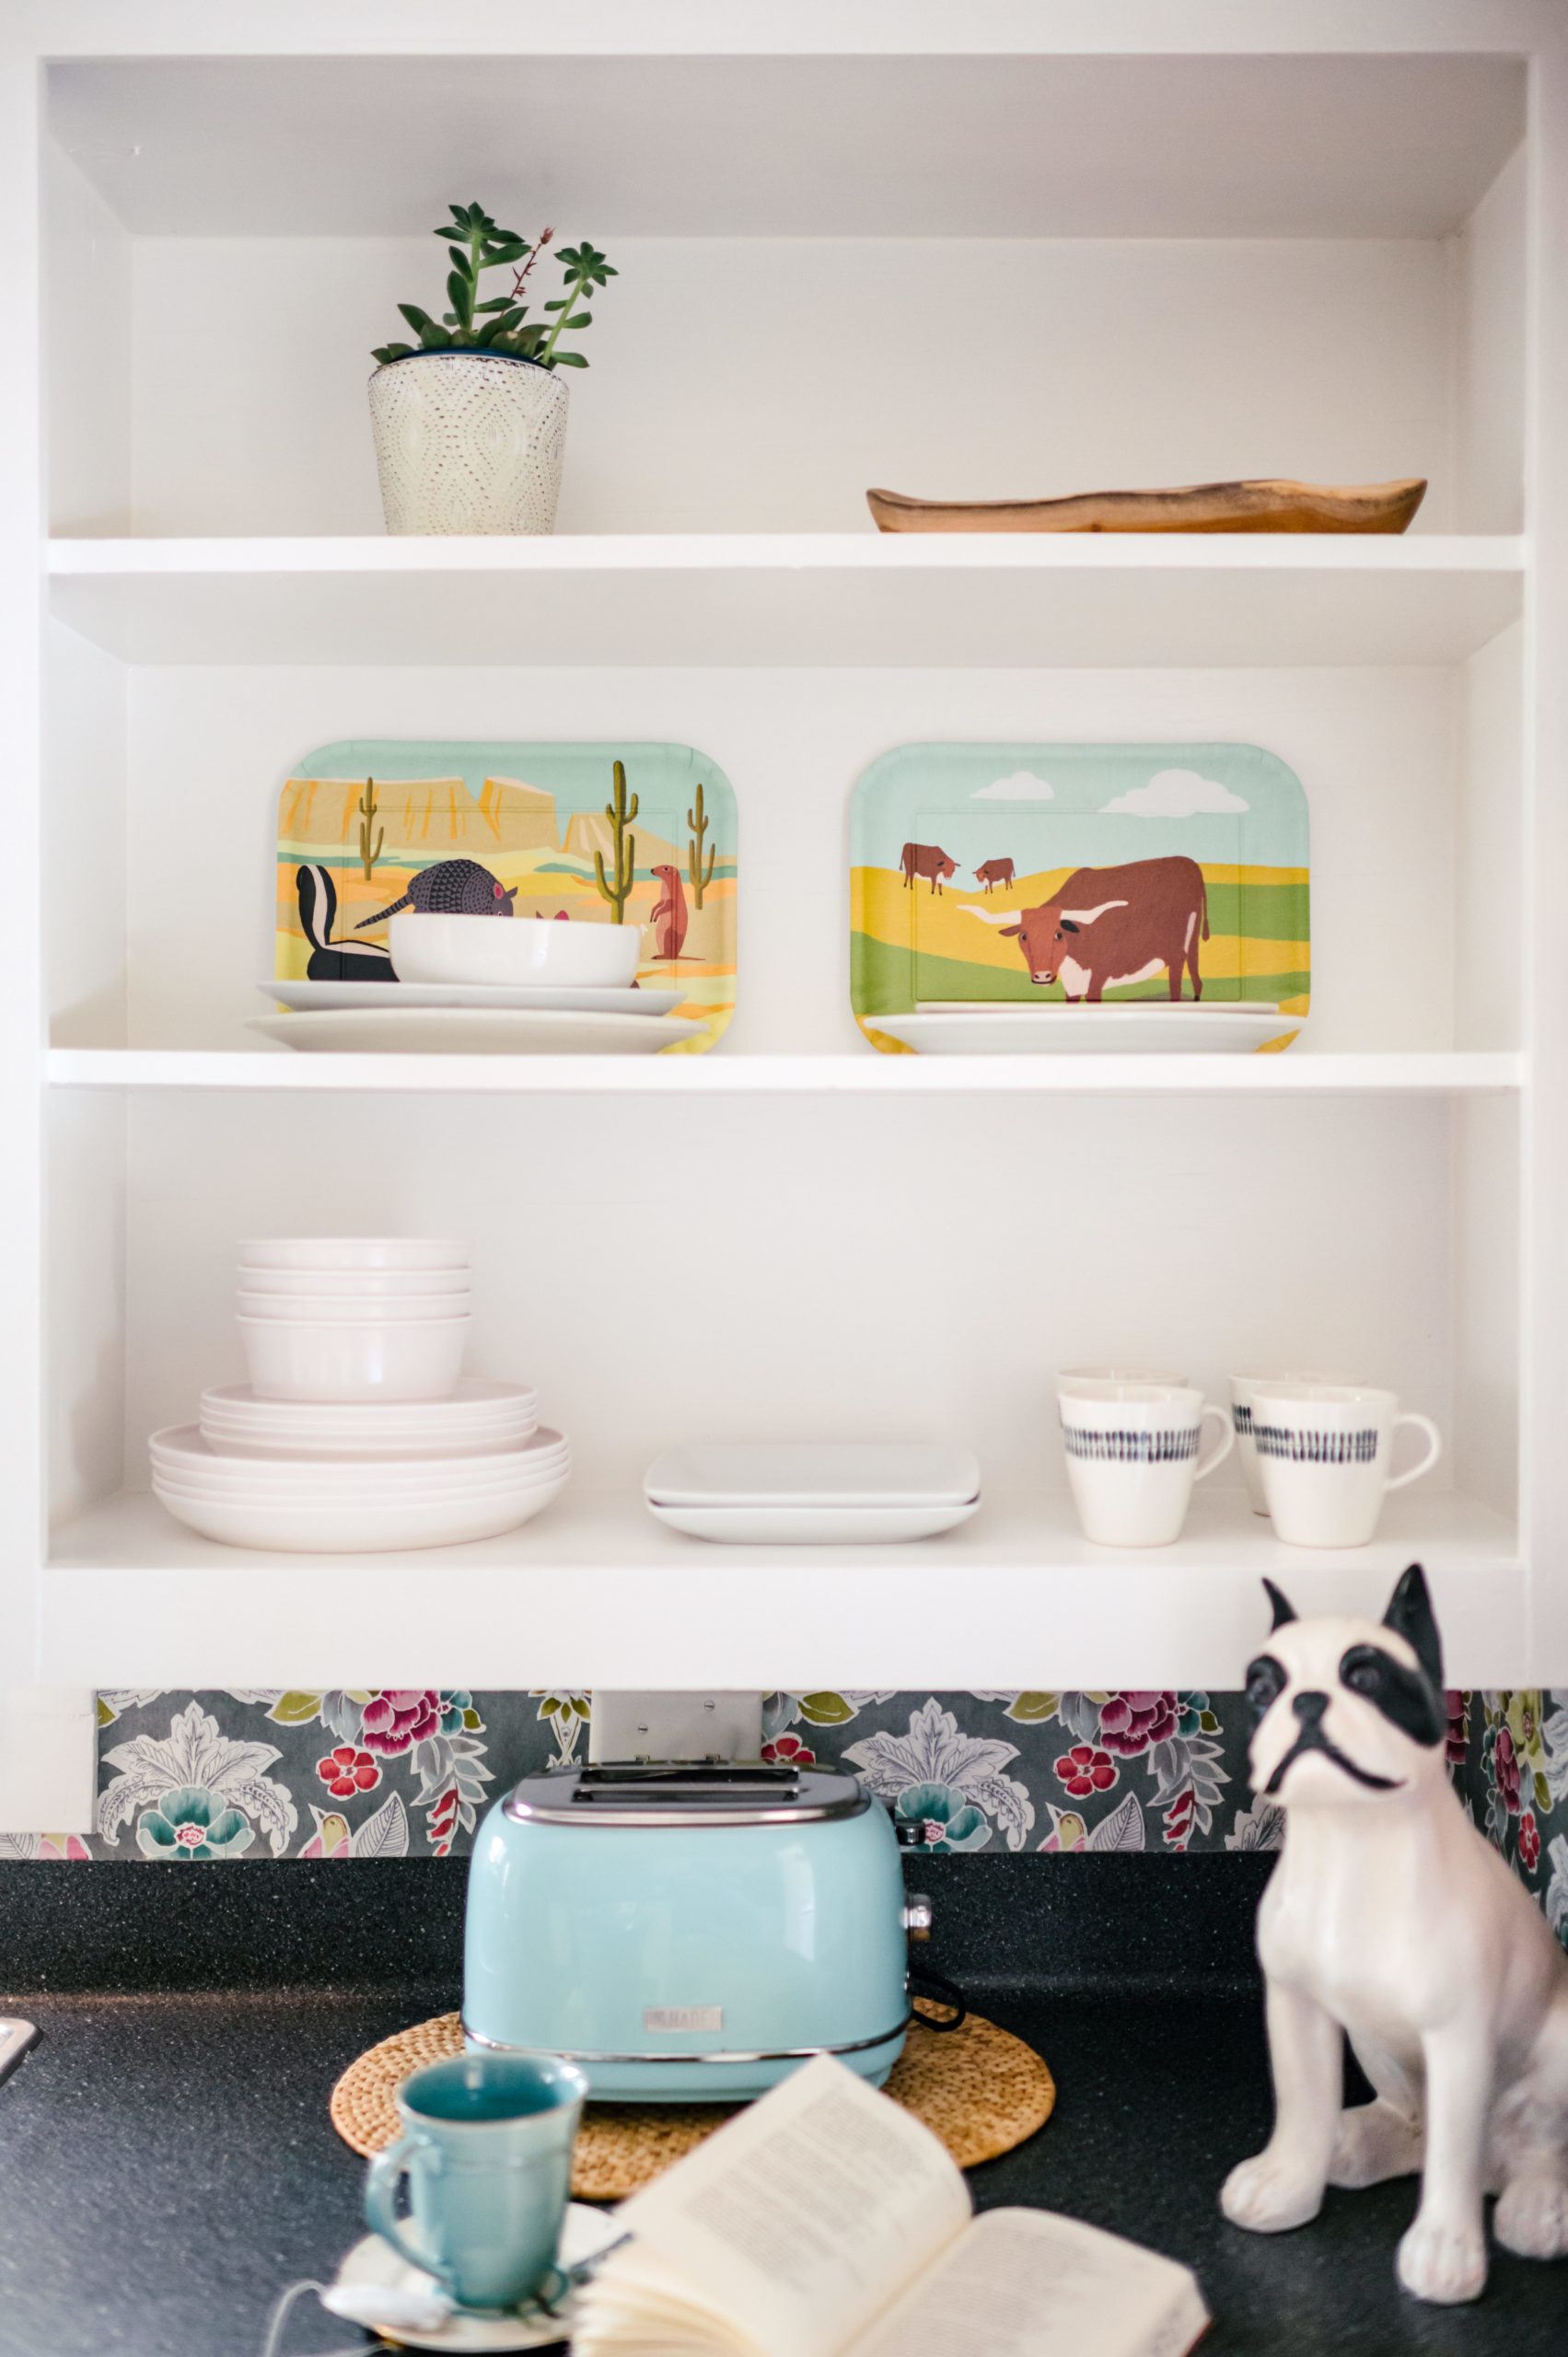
column 1132, row 1456
column 1324, row 1450
column 1244, row 1389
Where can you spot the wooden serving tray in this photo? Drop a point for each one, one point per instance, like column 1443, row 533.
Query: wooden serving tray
column 1195, row 507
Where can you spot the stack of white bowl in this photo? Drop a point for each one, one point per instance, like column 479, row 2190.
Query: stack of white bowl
column 357, row 1431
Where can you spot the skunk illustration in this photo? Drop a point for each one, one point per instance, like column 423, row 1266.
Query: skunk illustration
column 333, row 961
column 452, row 888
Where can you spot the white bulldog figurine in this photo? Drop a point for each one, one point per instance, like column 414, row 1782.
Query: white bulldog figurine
column 1390, row 1918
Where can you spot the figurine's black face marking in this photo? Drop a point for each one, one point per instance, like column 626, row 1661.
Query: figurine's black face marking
column 1266, row 1681
column 1309, row 1710
column 1280, row 1605
column 1407, row 1698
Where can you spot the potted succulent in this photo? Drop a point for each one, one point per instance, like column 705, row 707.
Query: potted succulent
column 471, row 423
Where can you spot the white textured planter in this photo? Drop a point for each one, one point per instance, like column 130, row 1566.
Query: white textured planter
column 468, row 442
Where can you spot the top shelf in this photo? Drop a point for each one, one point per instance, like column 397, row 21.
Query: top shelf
column 786, row 135
column 957, row 600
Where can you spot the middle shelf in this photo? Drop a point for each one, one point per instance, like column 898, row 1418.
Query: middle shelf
column 960, row 601
column 1302, row 1075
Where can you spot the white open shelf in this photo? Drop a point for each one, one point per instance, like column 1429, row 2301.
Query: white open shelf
column 129, row 1597
column 841, row 598
column 1011, row 251
column 718, row 1074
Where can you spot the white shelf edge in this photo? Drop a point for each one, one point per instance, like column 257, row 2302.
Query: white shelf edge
column 597, row 1593
column 721, row 1074
column 867, row 552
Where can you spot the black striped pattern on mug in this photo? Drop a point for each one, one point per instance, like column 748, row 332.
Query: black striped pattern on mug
column 1242, row 1417
column 1131, row 1448
column 1315, row 1447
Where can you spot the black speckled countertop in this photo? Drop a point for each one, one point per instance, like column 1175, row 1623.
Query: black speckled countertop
column 167, row 2164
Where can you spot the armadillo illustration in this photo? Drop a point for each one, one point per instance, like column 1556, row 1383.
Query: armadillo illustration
column 458, row 888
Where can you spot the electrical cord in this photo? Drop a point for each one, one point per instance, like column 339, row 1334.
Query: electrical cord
column 937, row 1986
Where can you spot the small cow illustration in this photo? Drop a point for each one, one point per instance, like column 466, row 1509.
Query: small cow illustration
column 1109, row 926
column 670, row 918
column 995, row 871
column 926, row 859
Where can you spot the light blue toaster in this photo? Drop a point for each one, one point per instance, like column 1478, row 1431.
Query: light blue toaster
column 688, row 1932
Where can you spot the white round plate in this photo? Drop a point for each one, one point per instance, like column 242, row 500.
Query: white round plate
column 1145, row 1029
column 232, row 1425
column 544, row 997
column 821, row 1475
column 368, row 1529
column 374, row 2263
column 812, row 1526
column 472, row 1031
column 184, row 1454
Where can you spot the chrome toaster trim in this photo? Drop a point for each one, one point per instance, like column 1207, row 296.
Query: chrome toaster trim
column 774, row 2054
column 703, row 1795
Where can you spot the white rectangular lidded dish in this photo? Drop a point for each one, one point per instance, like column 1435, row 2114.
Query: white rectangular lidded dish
column 812, row 1493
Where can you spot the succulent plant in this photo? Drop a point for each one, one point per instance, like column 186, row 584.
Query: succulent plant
column 501, row 324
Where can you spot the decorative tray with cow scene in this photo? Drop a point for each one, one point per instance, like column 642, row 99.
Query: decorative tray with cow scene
column 1062, row 898
column 586, row 834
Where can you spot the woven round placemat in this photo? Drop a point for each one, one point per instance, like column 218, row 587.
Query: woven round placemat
column 978, row 2088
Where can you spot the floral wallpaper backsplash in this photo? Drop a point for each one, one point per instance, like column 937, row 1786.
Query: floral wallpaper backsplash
column 391, row 1773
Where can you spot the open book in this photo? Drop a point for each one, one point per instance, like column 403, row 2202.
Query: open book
column 826, row 2222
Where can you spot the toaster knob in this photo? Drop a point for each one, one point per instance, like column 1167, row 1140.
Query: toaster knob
column 918, row 1912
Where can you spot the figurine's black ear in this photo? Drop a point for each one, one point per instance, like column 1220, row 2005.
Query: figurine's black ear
column 1410, row 1613
column 1284, row 1608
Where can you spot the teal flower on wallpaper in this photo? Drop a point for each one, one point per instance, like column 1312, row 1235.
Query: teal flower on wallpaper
column 948, row 1821
column 190, row 1822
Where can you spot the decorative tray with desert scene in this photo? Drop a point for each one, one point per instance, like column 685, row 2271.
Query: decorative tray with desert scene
column 1059, row 899
column 633, row 835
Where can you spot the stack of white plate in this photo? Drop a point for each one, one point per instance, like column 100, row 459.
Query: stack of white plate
column 469, row 985
column 358, row 1432
column 812, row 1493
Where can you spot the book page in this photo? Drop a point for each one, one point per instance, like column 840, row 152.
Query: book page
column 794, row 2225
column 1028, row 2283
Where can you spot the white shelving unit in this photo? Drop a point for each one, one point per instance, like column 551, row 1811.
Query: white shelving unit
column 1030, row 248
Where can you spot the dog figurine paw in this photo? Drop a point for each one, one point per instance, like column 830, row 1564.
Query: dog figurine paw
column 1391, row 1920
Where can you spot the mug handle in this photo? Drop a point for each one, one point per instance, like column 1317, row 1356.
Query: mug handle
column 1434, row 1450
column 381, row 2198
column 1228, row 1440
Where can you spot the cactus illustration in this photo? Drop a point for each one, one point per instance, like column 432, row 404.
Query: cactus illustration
column 620, row 814
column 367, row 808
column 699, row 826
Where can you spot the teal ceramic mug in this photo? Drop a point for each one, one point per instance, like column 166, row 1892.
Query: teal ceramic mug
column 487, row 2150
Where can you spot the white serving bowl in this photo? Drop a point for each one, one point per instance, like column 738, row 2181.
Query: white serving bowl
column 427, row 947
column 368, row 1285
column 352, row 1253
column 333, row 1309
column 415, row 1359
column 183, row 1458
column 477, row 1418
column 368, row 1528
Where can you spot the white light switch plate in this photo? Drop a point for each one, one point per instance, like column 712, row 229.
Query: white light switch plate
column 48, row 1760
column 675, row 1727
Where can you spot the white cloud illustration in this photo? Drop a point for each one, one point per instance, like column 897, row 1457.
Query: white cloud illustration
column 1019, row 787
column 1177, row 793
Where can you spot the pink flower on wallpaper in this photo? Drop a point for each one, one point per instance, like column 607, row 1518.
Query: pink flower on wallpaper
column 1529, row 1842
column 346, row 1773
column 1130, row 1724
column 57, row 1847
column 394, row 1720
column 1505, row 1771
column 1085, row 1770
column 1458, row 1740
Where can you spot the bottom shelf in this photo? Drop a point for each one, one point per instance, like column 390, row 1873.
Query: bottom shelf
column 596, row 1592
